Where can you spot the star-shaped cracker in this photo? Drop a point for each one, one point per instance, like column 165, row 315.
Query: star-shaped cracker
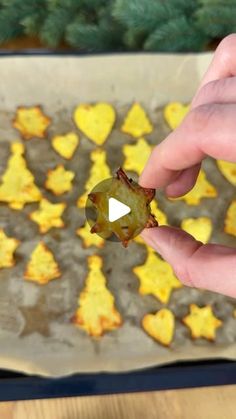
column 88, row 238
column 136, row 122
column 228, row 170
column 31, row 122
column 48, row 215
column 18, row 187
column 160, row 326
column 98, row 172
column 8, row 245
column 95, row 121
column 65, row 145
column 42, row 267
column 200, row 228
column 156, row 277
column 174, row 113
column 202, row 189
column 96, row 313
column 202, row 322
column 230, row 220
column 136, row 155
column 59, row 180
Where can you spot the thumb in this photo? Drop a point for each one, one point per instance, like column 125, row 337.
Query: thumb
column 208, row 266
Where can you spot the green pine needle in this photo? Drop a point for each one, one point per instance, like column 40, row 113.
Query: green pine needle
column 177, row 34
column 217, row 21
column 103, row 25
column 92, row 37
column 143, row 15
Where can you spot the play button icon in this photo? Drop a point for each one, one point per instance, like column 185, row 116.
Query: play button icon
column 111, row 209
column 117, row 209
column 114, row 210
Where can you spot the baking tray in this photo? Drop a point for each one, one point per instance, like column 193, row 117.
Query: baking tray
column 17, row 386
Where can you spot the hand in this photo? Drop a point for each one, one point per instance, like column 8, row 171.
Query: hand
column 207, row 130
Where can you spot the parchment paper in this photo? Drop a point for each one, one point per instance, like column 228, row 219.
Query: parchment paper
column 36, row 335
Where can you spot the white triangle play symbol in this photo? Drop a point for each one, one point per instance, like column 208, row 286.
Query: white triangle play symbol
column 117, row 209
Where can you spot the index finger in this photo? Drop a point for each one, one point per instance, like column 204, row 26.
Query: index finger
column 223, row 63
column 193, row 139
column 207, row 130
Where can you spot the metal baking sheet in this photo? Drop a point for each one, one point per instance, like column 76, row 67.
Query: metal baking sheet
column 36, row 335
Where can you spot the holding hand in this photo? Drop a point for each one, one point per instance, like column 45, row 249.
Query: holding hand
column 209, row 129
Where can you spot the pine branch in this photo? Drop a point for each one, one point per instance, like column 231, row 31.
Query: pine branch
column 134, row 39
column 52, row 31
column 9, row 25
column 92, row 37
column 177, row 34
column 146, row 15
column 216, row 3
column 217, row 21
column 14, row 15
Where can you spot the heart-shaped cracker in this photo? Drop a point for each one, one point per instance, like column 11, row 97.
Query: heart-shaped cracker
column 160, row 326
column 174, row 113
column 65, row 145
column 95, row 121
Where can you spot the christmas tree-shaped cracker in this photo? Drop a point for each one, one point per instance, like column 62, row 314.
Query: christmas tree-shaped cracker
column 18, row 187
column 42, row 266
column 98, row 172
column 96, row 313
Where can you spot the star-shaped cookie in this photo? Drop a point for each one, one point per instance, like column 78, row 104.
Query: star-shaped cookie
column 48, row 215
column 136, row 155
column 59, row 180
column 156, row 278
column 202, row 322
column 31, row 122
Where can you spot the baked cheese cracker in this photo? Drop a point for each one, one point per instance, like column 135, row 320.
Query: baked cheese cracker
column 200, row 228
column 31, row 122
column 96, row 313
column 230, row 219
column 8, row 245
column 88, row 238
column 42, row 267
column 156, row 278
column 160, row 326
column 136, row 122
column 98, row 172
column 18, row 187
column 174, row 113
column 65, row 145
column 202, row 189
column 95, row 121
column 228, row 170
column 59, row 180
column 48, row 215
column 136, row 155
column 202, row 322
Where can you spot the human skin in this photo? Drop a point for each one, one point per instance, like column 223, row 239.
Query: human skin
column 207, row 130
